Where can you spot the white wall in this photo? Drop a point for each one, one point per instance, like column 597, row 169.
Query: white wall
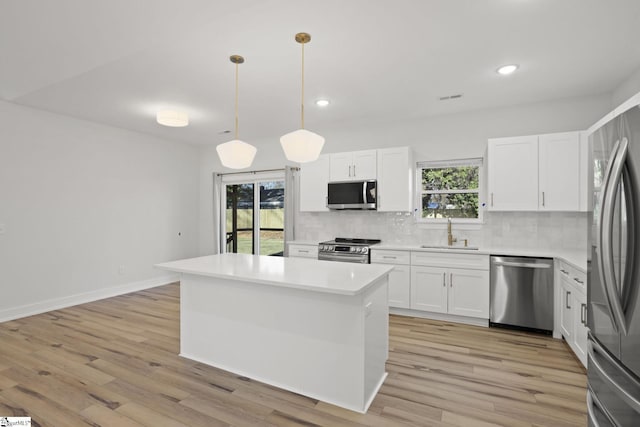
column 79, row 200
column 443, row 137
column 629, row 87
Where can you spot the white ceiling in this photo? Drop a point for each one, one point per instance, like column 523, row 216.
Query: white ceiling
column 117, row 62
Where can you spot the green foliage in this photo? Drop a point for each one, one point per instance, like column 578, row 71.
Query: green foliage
column 450, row 205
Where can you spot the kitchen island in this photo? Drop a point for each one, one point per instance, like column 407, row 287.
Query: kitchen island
column 317, row 328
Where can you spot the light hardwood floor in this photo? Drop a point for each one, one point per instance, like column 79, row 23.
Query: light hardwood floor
column 114, row 363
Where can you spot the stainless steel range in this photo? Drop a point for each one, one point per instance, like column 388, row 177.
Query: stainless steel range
column 347, row 250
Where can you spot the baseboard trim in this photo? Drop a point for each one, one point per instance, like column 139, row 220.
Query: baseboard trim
column 440, row 316
column 64, row 302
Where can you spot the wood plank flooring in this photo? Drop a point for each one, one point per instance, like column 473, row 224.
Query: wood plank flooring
column 114, row 363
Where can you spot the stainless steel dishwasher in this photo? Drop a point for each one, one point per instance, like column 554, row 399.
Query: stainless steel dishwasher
column 522, row 292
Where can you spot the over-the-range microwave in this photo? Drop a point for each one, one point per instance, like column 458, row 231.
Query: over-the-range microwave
column 352, row 195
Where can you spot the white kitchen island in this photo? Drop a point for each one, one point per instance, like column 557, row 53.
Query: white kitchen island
column 317, row 328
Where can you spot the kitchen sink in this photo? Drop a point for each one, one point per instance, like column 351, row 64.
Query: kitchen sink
column 464, row 248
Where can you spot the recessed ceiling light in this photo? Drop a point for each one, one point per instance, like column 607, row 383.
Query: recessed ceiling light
column 507, row 69
column 322, row 102
column 172, row 118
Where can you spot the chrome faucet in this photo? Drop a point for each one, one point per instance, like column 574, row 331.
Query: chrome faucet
column 450, row 238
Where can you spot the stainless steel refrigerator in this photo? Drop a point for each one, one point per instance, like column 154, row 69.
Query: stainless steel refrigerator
column 613, row 395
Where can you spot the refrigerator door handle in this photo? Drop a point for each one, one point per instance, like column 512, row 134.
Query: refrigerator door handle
column 592, row 403
column 606, row 229
column 595, row 352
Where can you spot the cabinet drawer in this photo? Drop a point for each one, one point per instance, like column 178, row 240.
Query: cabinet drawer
column 439, row 259
column 575, row 276
column 303, row 251
column 382, row 256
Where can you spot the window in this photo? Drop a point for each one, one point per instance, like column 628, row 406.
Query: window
column 449, row 189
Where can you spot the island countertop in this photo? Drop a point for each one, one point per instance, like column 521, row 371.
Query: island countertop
column 298, row 273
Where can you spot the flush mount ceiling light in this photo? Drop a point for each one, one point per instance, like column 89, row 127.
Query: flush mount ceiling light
column 172, row 118
column 507, row 69
column 302, row 145
column 236, row 154
column 322, row 102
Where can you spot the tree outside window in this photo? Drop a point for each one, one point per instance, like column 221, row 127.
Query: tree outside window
column 450, row 189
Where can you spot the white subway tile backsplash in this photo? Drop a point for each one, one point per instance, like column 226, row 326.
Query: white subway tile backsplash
column 527, row 230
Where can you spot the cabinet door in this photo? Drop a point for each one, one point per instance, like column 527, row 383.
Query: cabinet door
column 400, row 286
column 513, row 173
column 559, row 172
column 469, row 293
column 314, row 177
column 566, row 313
column 580, row 327
column 341, row 167
column 395, row 179
column 429, row 289
column 364, row 164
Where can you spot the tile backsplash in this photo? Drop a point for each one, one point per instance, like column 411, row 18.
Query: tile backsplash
column 519, row 230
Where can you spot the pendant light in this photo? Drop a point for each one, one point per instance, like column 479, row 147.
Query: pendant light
column 302, row 145
column 236, row 154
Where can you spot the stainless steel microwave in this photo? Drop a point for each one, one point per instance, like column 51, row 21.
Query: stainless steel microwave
column 352, row 195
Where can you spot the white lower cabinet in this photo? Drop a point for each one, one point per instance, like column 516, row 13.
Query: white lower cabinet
column 438, row 284
column 573, row 309
column 429, row 289
column 400, row 276
column 456, row 291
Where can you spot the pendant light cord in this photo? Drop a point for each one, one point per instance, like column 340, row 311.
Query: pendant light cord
column 237, row 101
column 302, row 98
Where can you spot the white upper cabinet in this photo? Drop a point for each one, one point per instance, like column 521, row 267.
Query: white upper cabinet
column 538, row 172
column 395, row 179
column 314, row 177
column 353, row 166
column 559, row 172
column 513, row 173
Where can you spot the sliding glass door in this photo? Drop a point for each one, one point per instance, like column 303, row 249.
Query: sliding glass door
column 254, row 216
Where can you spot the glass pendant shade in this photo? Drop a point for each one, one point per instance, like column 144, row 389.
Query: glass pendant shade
column 302, row 146
column 236, row 154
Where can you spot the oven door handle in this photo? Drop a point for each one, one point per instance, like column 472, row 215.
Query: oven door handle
column 344, row 258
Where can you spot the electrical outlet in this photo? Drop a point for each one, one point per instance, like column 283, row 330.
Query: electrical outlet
column 122, row 270
column 2, row 228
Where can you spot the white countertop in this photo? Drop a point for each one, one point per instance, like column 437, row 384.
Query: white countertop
column 576, row 258
column 299, row 273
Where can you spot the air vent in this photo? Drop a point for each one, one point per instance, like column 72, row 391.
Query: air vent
column 445, row 98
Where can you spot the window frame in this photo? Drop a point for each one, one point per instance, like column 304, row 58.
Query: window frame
column 432, row 164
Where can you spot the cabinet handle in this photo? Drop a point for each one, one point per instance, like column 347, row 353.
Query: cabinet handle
column 451, row 280
column 564, row 271
column 578, row 280
column 303, row 251
column 349, row 170
column 583, row 314
column 354, row 170
column 388, row 257
column 566, row 299
column 444, row 279
column 543, row 199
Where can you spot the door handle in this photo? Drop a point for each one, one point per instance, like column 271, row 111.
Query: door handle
column 520, row 264
column 614, row 169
